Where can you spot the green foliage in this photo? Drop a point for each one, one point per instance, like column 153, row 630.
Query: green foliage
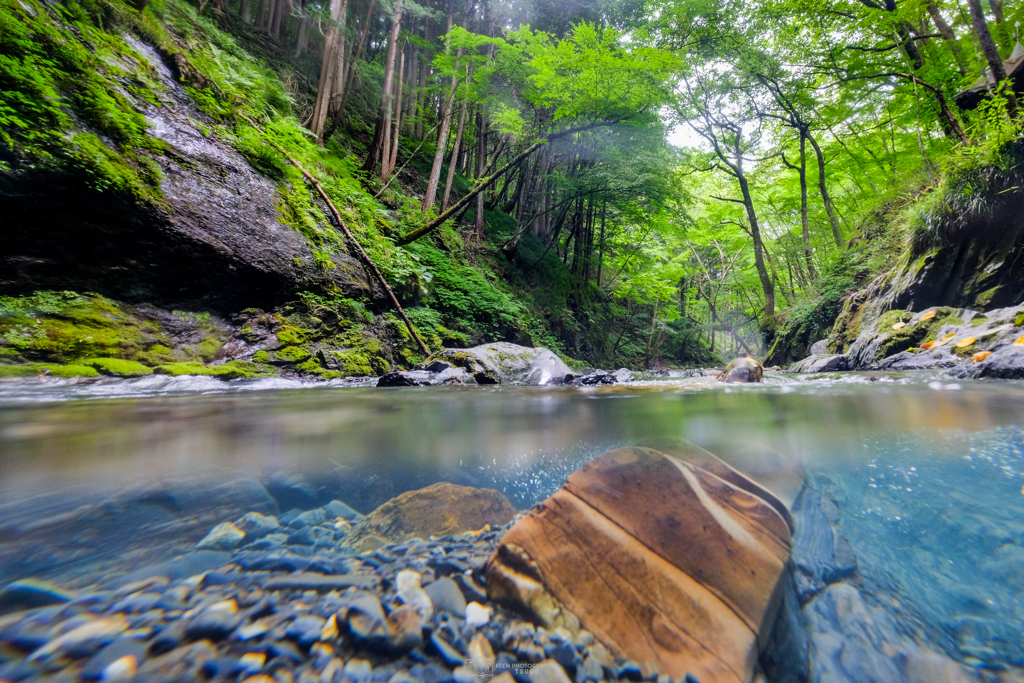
column 60, row 65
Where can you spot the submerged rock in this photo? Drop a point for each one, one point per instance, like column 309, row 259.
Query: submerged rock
column 437, row 374
column 437, row 510
column 669, row 561
column 505, row 363
column 821, row 363
column 744, row 370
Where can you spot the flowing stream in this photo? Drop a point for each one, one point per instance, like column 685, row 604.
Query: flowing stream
column 101, row 481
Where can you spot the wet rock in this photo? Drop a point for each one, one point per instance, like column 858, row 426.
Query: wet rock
column 743, row 370
column 94, row 669
column 821, row 553
column 358, row 671
column 477, row 614
column 305, row 630
column 548, row 671
column 595, row 378
column 308, row 518
column 222, row 537
column 821, row 363
column 84, row 640
column 365, row 617
column 449, row 654
column 437, row 510
column 446, row 595
column 338, row 509
column 704, row 552
column 623, row 375
column 405, row 626
column 819, row 348
column 426, row 378
column 30, row 594
column 505, row 363
column 407, row 585
column 1004, row 363
column 215, row 622
column 320, row 582
column 182, row 663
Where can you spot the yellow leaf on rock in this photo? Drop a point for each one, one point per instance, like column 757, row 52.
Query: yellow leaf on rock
column 928, row 345
column 964, row 343
column 995, row 330
column 899, row 326
column 928, row 315
column 981, row 355
column 1019, row 342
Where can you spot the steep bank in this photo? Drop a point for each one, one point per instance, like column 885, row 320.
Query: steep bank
column 129, row 172
column 957, row 247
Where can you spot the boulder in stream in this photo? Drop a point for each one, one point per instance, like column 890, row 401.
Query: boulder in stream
column 673, row 562
column 505, row 363
column 744, row 369
column 437, row 510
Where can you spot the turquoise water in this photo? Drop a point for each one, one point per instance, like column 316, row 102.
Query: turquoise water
column 100, row 479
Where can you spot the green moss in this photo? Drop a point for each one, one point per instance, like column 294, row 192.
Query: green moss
column 261, row 357
column 118, row 367
column 982, row 300
column 978, row 321
column 208, row 348
column 231, row 370
column 292, row 335
column 914, row 333
column 292, row 354
column 47, row 369
column 1019, row 321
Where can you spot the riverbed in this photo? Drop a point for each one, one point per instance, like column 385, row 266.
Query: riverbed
column 104, row 483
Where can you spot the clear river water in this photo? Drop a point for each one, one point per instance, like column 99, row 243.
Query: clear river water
column 101, row 481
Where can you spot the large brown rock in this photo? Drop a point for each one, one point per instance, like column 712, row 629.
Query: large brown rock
column 673, row 561
column 437, row 510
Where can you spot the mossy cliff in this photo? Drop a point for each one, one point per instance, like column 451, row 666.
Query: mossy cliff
column 956, row 246
column 130, row 169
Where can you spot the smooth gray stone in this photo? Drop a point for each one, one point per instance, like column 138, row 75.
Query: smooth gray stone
column 30, row 594
column 308, row 518
column 338, row 509
column 821, row 554
column 305, row 630
column 122, row 647
column 257, row 526
column 320, row 582
column 819, row 348
column 449, row 654
column 446, row 595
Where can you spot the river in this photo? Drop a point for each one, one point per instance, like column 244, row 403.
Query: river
column 102, row 481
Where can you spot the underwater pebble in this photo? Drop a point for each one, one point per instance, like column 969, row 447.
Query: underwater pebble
column 446, row 595
column 224, row 536
column 120, row 669
column 477, row 614
column 412, row 594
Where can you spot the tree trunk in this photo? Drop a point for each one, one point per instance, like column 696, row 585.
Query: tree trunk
column 755, row 231
column 481, row 160
column 837, row 234
column 600, row 253
column 421, row 93
column 382, row 134
column 949, row 36
column 245, row 11
column 280, row 8
column 453, row 160
column 393, row 158
column 445, row 118
column 265, row 15
column 991, row 52
column 803, row 207
column 350, row 72
column 330, row 61
column 302, row 35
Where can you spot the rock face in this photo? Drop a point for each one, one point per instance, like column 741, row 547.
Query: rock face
column 505, row 363
column 217, row 239
column 436, row 374
column 971, row 343
column 673, row 562
column 437, row 510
